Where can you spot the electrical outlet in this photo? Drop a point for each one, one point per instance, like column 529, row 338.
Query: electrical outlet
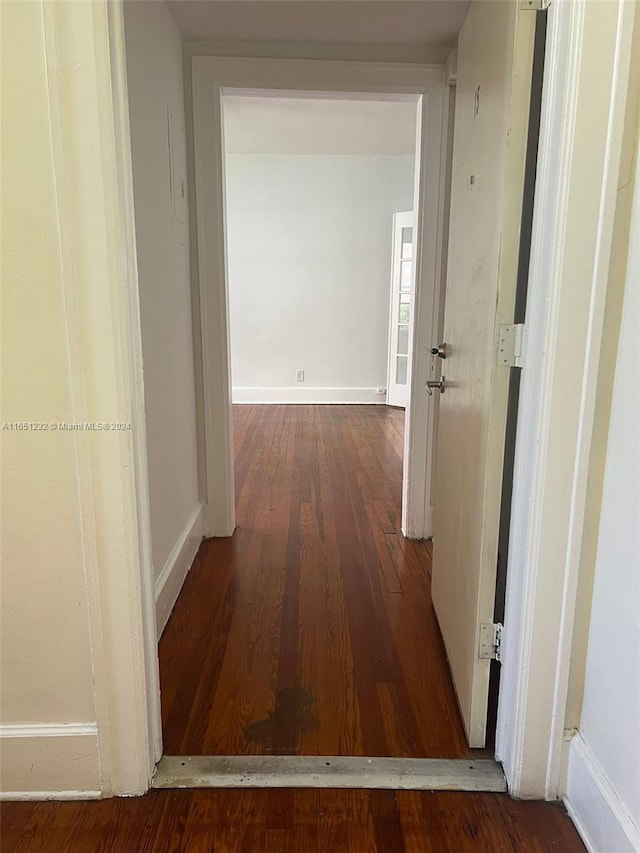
column 299, row 375
column 381, row 391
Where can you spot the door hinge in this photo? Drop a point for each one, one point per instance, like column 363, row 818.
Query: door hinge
column 490, row 646
column 535, row 5
column 510, row 344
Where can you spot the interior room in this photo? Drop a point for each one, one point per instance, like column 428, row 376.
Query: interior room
column 312, row 188
column 320, row 472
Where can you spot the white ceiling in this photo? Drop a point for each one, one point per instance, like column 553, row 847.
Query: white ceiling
column 277, row 125
column 433, row 23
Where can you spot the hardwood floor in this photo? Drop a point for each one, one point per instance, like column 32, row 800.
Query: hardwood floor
column 296, row 821
column 311, row 630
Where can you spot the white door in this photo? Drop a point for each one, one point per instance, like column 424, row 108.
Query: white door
column 495, row 57
column 401, row 311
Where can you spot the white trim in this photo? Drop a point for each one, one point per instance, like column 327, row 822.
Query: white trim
column 557, row 402
column 429, row 245
column 328, row 771
column 55, row 758
column 308, row 395
column 210, row 75
column 48, row 730
column 28, row 796
column 556, row 138
column 176, row 568
column 601, row 817
column 120, row 97
column 613, row 131
column 451, row 68
column 86, row 71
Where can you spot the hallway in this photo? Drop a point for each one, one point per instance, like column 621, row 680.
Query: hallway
column 311, row 630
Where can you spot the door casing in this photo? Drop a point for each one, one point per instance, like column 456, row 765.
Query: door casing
column 213, row 76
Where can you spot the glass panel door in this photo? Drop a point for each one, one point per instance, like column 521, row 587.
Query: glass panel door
column 401, row 309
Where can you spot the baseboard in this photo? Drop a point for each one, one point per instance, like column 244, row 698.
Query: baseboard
column 169, row 581
column 38, row 796
column 43, row 761
column 308, row 395
column 600, row 816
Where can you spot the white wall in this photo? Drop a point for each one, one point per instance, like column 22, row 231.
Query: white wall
column 155, row 82
column 73, row 689
column 46, row 655
column 309, row 263
column 603, row 783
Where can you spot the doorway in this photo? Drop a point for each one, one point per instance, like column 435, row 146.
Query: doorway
column 312, row 186
column 323, row 605
column 215, row 78
column 319, row 554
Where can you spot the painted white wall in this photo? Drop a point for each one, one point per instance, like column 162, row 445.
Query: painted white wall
column 79, row 703
column 46, row 655
column 603, row 782
column 155, row 83
column 309, row 241
column 308, row 124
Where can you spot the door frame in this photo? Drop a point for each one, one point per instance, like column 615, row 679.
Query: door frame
column 541, row 592
column 213, row 76
column 585, row 84
column 84, row 55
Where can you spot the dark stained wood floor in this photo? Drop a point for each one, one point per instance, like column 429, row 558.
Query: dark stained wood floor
column 311, row 630
column 319, row 601
column 276, row 821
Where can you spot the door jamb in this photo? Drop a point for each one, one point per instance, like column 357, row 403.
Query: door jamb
column 124, row 170
column 210, row 76
column 586, row 75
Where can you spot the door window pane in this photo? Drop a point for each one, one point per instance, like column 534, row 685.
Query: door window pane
column 403, row 340
column 401, row 370
column 407, row 243
column 403, row 311
column 405, row 276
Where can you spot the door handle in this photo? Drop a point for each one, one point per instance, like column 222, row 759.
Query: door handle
column 429, row 386
column 440, row 350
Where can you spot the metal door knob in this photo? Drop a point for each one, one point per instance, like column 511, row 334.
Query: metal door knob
column 429, row 386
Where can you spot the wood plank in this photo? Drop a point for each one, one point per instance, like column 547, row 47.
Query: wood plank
column 242, row 821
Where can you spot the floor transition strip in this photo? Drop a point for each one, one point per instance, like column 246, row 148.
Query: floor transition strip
column 301, row 771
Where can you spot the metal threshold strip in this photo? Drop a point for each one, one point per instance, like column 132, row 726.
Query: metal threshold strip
column 298, row 771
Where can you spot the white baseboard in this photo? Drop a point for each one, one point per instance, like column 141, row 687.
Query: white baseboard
column 44, row 761
column 169, row 581
column 601, row 817
column 22, row 796
column 308, row 395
